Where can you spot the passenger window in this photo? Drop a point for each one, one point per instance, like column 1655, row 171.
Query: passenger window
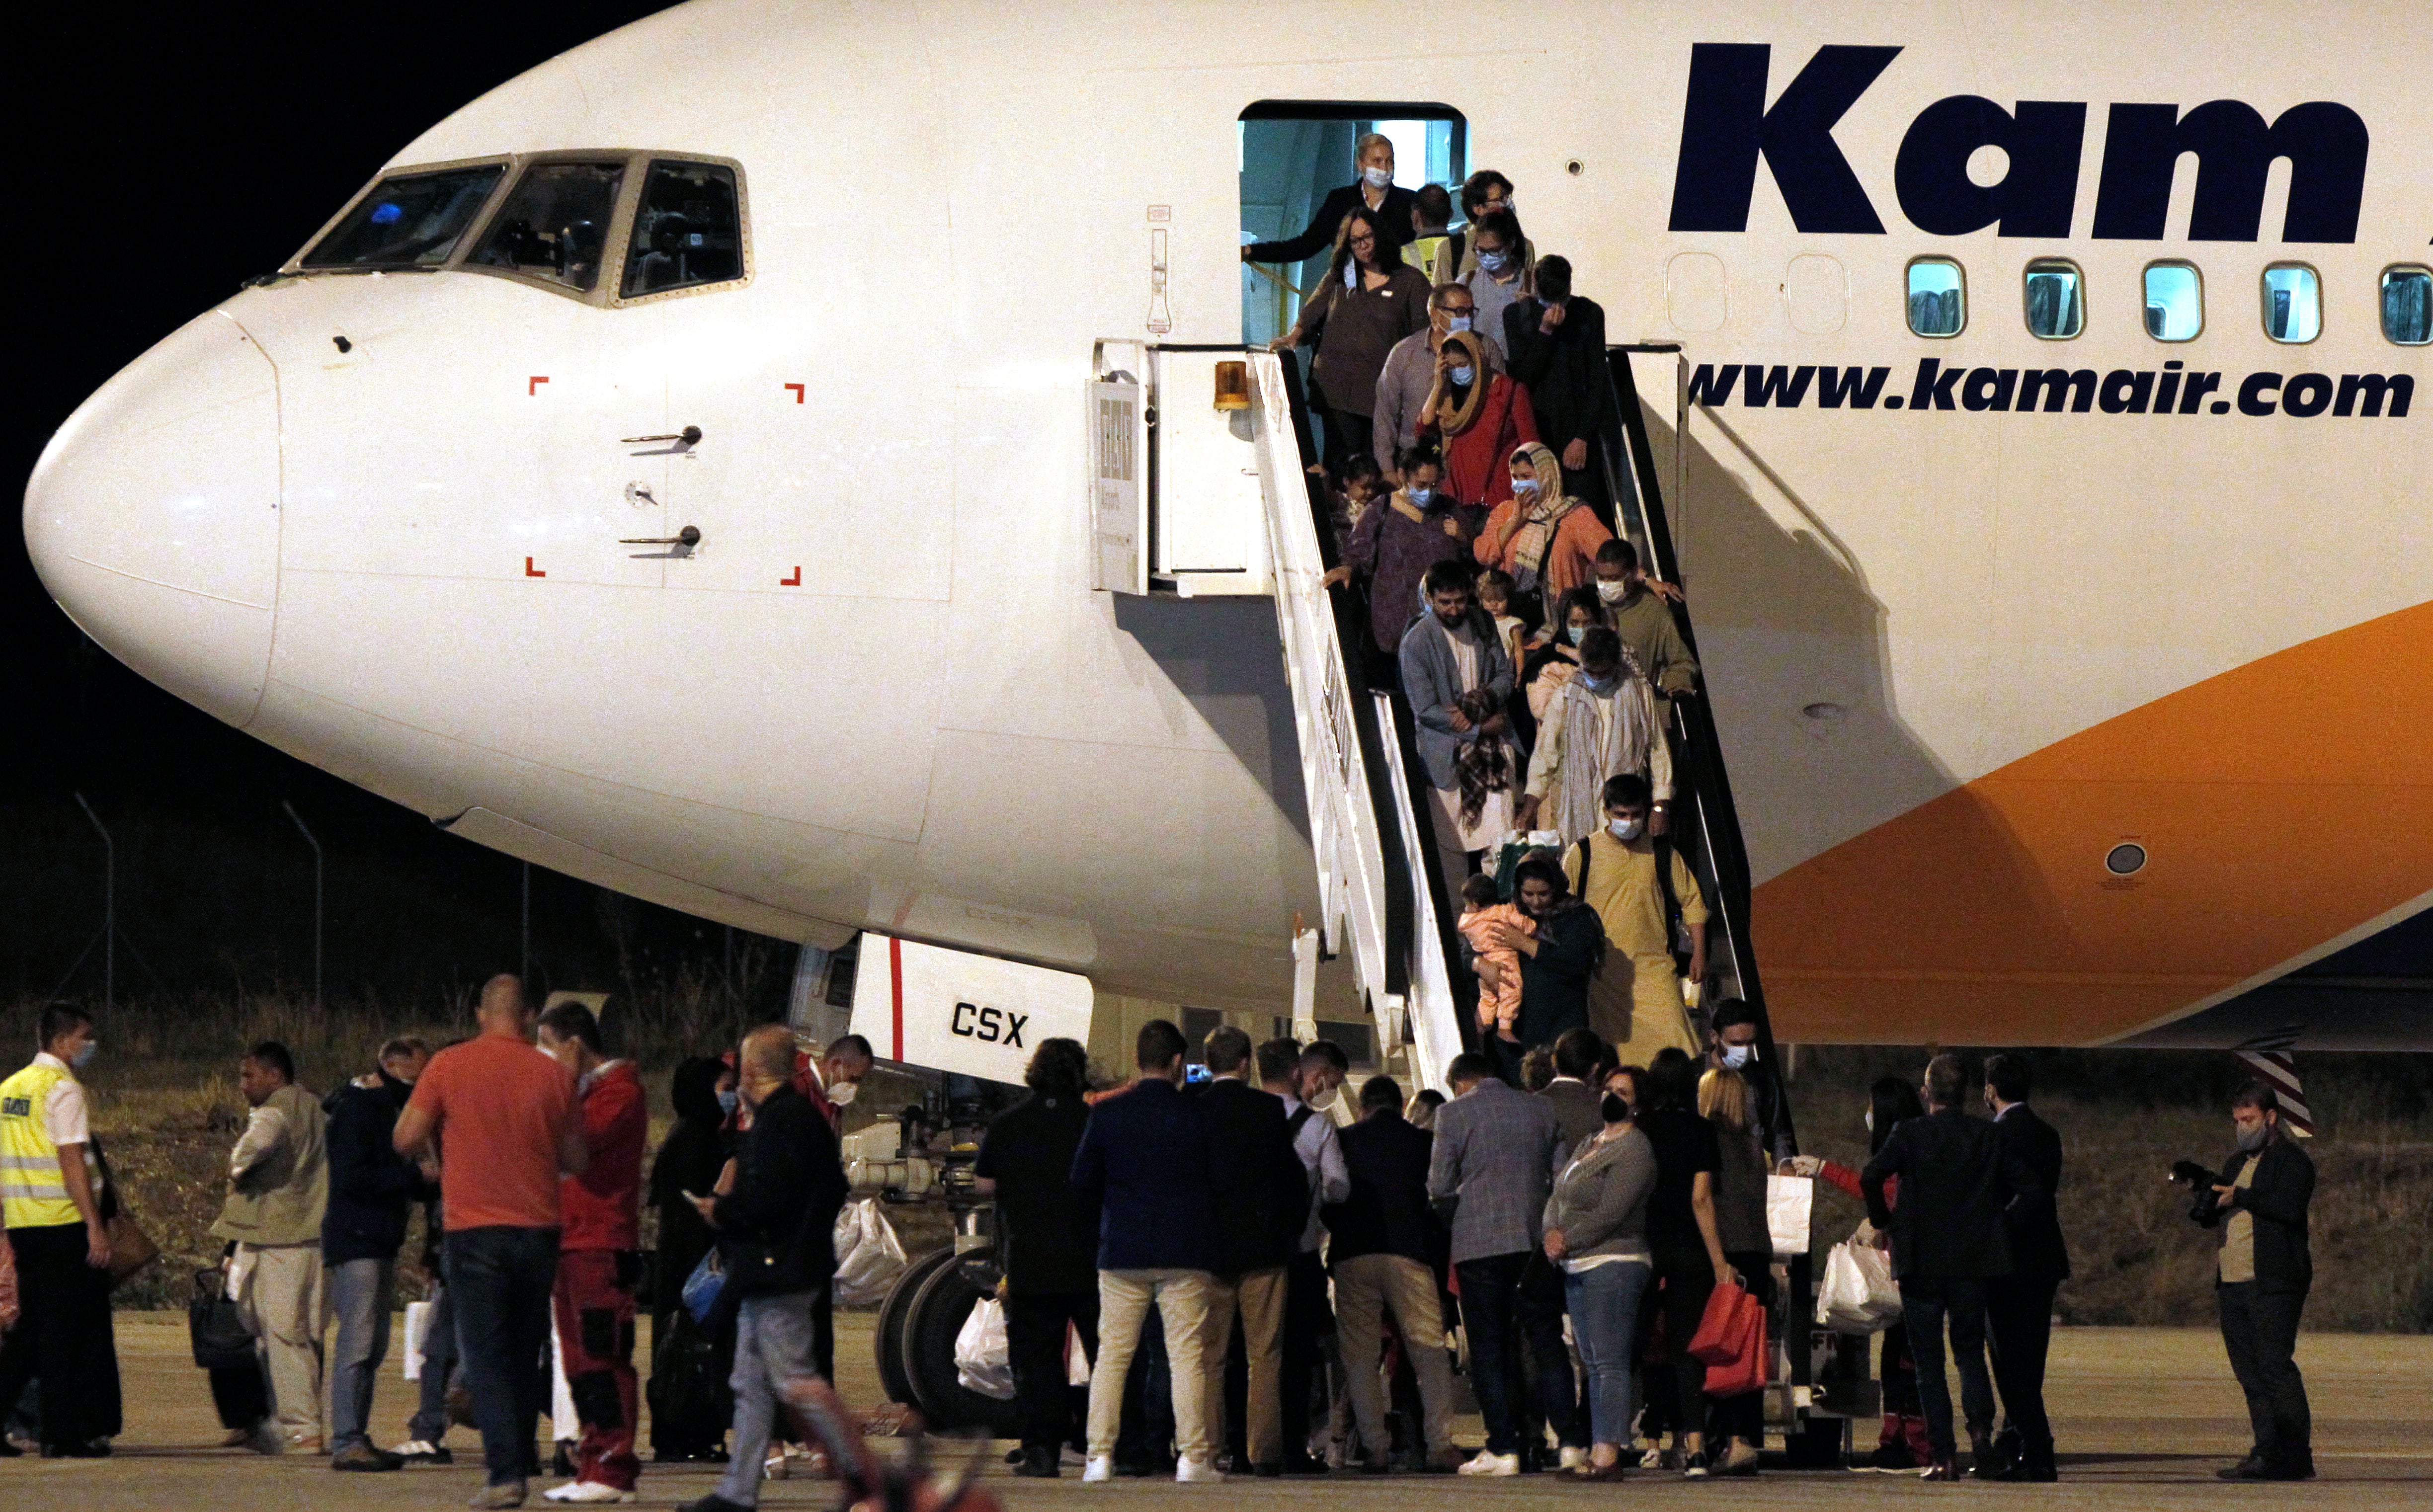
column 555, row 225
column 2407, row 306
column 409, row 220
column 2056, row 304
column 2293, row 302
column 1937, row 298
column 687, row 230
column 2174, row 301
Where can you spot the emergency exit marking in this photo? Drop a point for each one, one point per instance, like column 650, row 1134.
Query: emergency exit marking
column 794, row 582
column 531, row 570
column 533, row 386
column 798, row 392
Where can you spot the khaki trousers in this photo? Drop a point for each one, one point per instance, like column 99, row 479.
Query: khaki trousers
column 1258, row 1297
column 1365, row 1286
column 1125, row 1297
column 1635, row 1001
column 283, row 1299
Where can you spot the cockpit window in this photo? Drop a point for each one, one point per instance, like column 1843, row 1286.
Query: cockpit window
column 555, row 223
column 687, row 229
column 411, row 220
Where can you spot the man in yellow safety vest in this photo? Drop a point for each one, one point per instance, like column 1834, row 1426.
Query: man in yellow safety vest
column 50, row 1198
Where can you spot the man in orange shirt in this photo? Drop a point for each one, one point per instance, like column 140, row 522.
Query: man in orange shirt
column 503, row 1115
column 599, row 1260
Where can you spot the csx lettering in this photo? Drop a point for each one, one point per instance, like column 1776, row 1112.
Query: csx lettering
column 17, row 1108
column 1727, row 126
column 990, row 1025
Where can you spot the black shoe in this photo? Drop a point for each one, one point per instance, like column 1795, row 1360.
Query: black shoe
column 1304, row 1464
column 1697, row 1467
column 1267, row 1471
column 2250, row 1469
column 89, row 1449
column 713, row 1502
column 360, row 1458
column 2301, row 1468
column 1942, row 1469
column 2031, row 1470
column 1985, row 1463
column 1038, row 1462
column 1142, row 1469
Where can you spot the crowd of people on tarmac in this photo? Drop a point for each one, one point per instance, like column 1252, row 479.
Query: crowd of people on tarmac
column 1262, row 1271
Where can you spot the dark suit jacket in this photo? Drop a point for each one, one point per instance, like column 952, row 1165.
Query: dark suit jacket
column 1265, row 1204
column 1579, row 1107
column 1388, row 1213
column 2038, row 1252
column 1393, row 221
column 1957, row 1176
column 1148, row 1169
column 2285, row 1183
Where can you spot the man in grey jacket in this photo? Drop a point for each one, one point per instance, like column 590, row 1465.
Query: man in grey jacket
column 1497, row 1151
column 278, row 1191
column 1447, row 652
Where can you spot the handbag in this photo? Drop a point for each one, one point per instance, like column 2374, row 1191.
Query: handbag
column 130, row 1250
column 1749, row 1366
column 1723, row 1326
column 703, row 1288
column 220, row 1339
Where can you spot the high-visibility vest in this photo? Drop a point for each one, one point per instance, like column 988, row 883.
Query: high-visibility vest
column 1427, row 254
column 32, row 1193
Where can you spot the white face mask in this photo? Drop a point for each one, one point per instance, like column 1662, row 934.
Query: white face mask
column 1871, row 1120
column 1461, row 376
column 1611, row 592
column 1736, row 1056
column 1524, row 485
column 1324, row 1102
column 843, row 1093
column 1625, row 830
column 1456, row 322
column 1377, row 178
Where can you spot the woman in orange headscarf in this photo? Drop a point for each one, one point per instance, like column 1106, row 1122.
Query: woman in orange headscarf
column 1545, row 539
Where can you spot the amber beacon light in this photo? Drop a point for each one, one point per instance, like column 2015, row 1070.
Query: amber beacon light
column 1232, row 385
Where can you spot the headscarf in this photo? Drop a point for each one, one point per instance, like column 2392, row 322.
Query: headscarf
column 1527, row 552
column 1465, row 414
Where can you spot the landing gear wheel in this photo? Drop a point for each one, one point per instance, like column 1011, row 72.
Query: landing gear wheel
column 939, row 1306
column 890, row 1334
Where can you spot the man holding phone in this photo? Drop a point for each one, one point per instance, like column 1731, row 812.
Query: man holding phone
column 2259, row 1203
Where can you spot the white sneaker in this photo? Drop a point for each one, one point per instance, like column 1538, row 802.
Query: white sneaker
column 1098, row 1468
column 587, row 1491
column 1196, row 1471
column 1573, row 1458
column 1652, row 1459
column 1487, row 1461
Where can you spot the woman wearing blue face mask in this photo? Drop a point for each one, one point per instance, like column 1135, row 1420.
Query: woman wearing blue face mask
column 689, row 1160
column 1554, row 659
column 1373, row 192
column 1392, row 547
column 1499, row 270
column 1479, row 416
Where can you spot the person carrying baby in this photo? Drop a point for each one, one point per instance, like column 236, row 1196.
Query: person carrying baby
column 1498, row 967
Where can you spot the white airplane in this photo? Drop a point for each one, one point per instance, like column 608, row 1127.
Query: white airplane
column 673, row 470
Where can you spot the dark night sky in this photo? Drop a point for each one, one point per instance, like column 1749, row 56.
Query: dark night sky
column 163, row 159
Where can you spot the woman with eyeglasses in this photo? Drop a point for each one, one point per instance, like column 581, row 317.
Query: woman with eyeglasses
column 1368, row 300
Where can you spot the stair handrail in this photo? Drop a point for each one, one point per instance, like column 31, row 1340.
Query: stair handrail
column 1701, row 769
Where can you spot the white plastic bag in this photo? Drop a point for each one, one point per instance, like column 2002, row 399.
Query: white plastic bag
column 1858, row 1295
column 1076, row 1359
column 418, row 1334
column 869, row 1255
column 982, row 1360
column 1789, row 1201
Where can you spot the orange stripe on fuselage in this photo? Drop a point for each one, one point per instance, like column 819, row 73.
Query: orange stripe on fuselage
column 2283, row 804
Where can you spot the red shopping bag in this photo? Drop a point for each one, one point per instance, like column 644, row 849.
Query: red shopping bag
column 1749, row 1370
column 1720, row 1327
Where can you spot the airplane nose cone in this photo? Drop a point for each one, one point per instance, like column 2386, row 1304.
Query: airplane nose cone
column 153, row 516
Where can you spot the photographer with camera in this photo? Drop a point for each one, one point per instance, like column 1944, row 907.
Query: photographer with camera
column 2259, row 1203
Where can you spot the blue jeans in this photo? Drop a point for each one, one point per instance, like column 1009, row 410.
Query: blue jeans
column 773, row 1346
column 1516, row 1340
column 361, row 1294
column 439, row 1357
column 500, row 1281
column 1605, row 1321
column 1926, row 1301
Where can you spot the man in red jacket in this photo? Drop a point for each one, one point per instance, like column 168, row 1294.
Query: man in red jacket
column 598, row 1264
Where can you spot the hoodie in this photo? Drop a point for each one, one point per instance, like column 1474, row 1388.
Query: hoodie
column 372, row 1188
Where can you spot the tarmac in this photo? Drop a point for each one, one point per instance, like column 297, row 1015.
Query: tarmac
column 2143, row 1417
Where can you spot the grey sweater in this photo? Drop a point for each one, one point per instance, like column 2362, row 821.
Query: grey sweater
column 1600, row 1200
